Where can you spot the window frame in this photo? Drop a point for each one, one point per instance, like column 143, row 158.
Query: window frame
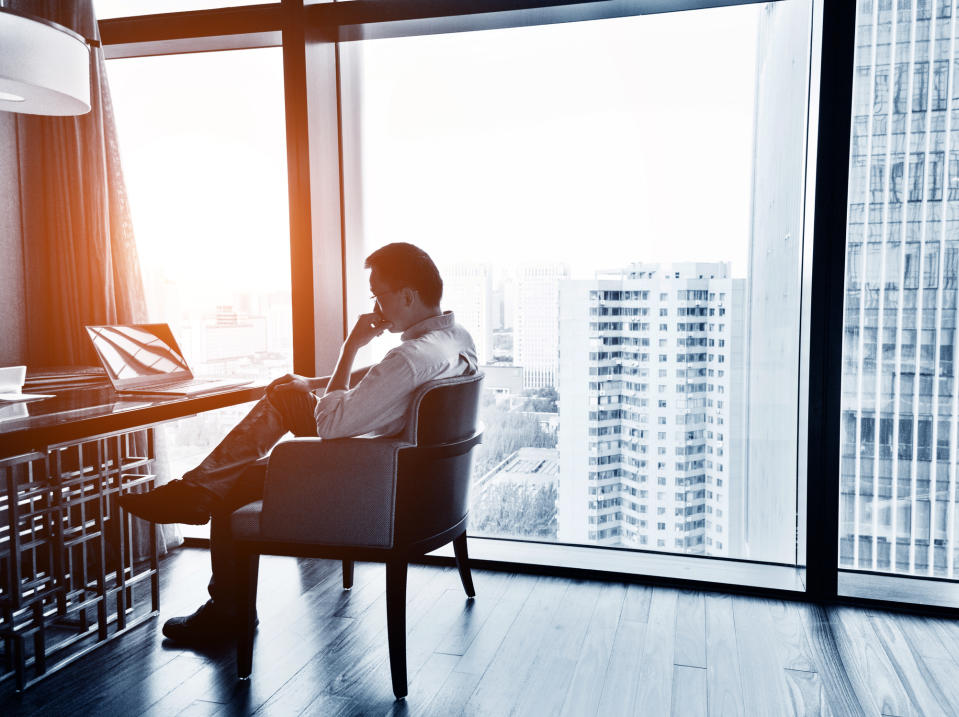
column 309, row 34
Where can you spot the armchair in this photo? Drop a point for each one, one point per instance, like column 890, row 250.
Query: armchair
column 372, row 499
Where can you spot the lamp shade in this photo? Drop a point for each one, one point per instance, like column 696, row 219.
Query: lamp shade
column 44, row 67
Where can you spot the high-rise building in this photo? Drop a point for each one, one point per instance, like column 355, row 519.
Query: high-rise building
column 650, row 387
column 536, row 322
column 468, row 292
column 898, row 466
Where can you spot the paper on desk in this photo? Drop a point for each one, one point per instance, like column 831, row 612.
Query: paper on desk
column 15, row 397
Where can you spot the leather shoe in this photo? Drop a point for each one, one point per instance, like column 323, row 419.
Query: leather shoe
column 174, row 502
column 208, row 625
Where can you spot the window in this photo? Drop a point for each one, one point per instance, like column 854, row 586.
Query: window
column 916, row 169
column 953, row 175
column 876, row 184
column 940, row 87
column 888, row 469
column 920, row 87
column 895, row 182
column 205, row 168
column 935, row 176
column 902, row 88
column 881, row 92
column 415, row 168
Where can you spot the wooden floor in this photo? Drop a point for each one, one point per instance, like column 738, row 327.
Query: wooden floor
column 527, row 645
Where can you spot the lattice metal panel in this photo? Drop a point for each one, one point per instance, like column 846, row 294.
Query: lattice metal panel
column 75, row 569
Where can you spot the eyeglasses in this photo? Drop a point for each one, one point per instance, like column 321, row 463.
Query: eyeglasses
column 376, row 297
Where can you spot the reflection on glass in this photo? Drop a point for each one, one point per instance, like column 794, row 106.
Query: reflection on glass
column 898, row 468
column 130, row 352
column 624, row 246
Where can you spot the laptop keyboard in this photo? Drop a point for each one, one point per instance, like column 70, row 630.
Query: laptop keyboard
column 179, row 384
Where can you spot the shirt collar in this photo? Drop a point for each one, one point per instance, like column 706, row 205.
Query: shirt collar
column 434, row 323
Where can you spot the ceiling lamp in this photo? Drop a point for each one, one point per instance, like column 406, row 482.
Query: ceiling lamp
column 44, row 67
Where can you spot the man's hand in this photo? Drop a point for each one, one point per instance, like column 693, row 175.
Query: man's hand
column 367, row 327
column 290, row 382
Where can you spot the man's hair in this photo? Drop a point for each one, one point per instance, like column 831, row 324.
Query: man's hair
column 403, row 265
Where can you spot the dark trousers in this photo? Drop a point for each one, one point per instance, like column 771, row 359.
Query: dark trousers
column 235, row 471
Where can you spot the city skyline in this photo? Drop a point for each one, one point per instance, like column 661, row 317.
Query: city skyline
column 620, row 192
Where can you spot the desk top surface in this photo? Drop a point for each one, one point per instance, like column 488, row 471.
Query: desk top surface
column 86, row 412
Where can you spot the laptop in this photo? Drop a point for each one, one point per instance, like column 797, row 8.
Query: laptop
column 145, row 359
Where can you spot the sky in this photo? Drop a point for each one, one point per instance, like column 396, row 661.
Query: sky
column 203, row 146
column 596, row 144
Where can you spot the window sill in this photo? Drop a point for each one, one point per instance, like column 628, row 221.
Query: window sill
column 662, row 566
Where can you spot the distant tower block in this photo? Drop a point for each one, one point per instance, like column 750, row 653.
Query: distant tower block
column 536, row 322
column 650, row 387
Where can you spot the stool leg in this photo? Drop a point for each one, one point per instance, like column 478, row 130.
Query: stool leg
column 463, row 564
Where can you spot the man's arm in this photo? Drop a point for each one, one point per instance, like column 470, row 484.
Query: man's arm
column 340, row 379
column 366, row 328
column 323, row 381
column 305, row 383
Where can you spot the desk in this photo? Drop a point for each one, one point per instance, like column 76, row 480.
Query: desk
column 74, row 570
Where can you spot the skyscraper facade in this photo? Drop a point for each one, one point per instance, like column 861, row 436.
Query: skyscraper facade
column 468, row 292
column 650, row 386
column 536, row 322
column 898, row 466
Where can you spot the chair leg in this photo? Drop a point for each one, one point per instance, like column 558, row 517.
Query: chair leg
column 396, row 623
column 247, row 570
column 347, row 574
column 463, row 564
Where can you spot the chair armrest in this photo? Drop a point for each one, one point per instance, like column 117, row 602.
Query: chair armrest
column 332, row 491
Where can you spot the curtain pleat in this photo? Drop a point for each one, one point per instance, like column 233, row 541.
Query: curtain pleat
column 80, row 250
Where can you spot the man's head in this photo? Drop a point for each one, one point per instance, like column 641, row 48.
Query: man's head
column 405, row 283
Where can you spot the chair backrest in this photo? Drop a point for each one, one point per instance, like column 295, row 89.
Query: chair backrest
column 433, row 478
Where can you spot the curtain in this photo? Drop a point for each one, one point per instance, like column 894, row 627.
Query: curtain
column 79, row 247
column 80, row 253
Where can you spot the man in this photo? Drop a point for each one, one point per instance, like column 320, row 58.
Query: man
column 407, row 289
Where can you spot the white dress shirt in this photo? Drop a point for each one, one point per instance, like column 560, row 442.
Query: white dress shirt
column 434, row 348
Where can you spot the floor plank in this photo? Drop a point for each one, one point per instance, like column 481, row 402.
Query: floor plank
column 507, row 676
column 559, row 652
column 805, row 693
column 723, row 679
column 483, row 648
column 839, row 693
column 654, row 689
column 789, row 635
column 763, row 680
column 873, row 677
column 924, row 692
column 689, row 691
column 583, row 695
column 526, row 645
column 690, row 640
column 618, row 695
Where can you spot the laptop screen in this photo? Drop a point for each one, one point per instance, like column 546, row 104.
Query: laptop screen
column 140, row 352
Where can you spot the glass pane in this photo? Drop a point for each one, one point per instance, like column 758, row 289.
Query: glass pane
column 204, row 161
column 898, row 473
column 127, row 8
column 625, row 250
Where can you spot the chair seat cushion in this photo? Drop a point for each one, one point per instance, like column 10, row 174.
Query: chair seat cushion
column 245, row 521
